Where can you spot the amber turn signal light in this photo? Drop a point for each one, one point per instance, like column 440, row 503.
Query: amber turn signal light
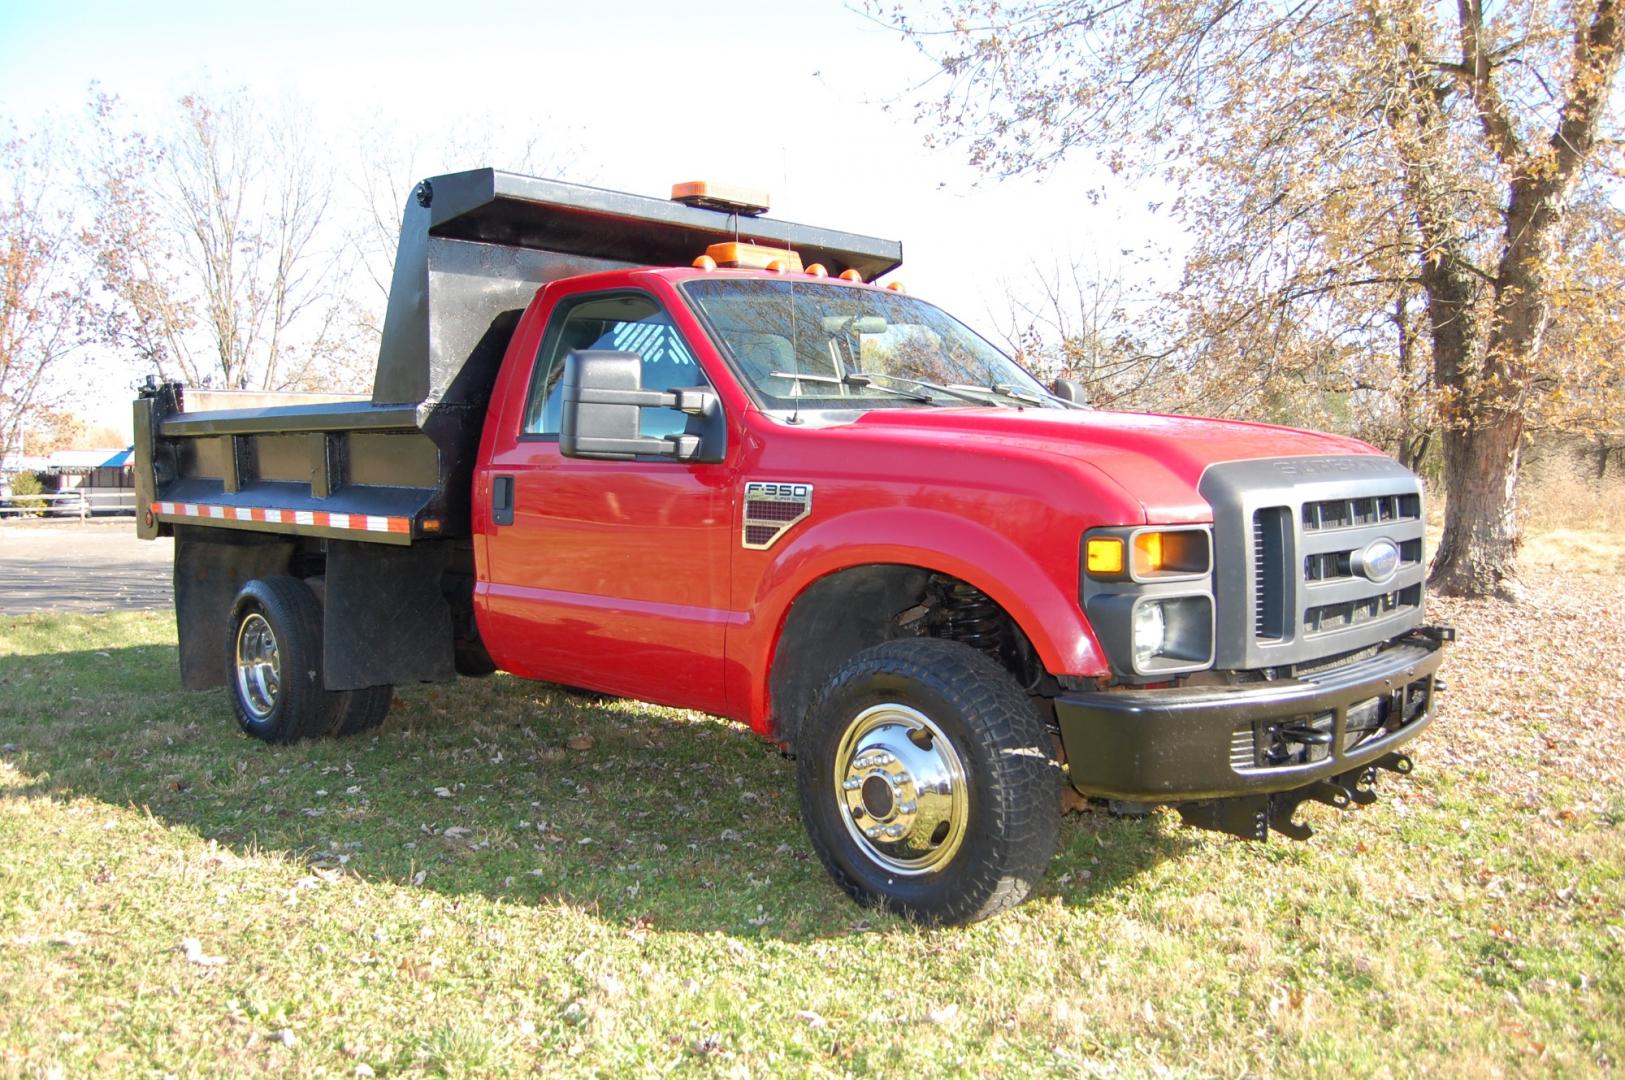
column 1175, row 552
column 1105, row 556
column 1148, row 553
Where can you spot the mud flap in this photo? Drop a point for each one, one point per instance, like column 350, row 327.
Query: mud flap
column 1251, row 817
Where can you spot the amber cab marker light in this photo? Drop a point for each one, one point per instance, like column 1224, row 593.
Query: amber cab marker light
column 896, row 286
column 817, row 270
column 705, row 262
column 739, row 255
column 851, row 275
column 1105, row 556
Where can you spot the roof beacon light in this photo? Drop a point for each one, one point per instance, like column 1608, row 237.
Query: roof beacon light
column 705, row 262
column 851, row 275
column 817, row 270
column 742, row 256
column 896, row 286
column 728, row 198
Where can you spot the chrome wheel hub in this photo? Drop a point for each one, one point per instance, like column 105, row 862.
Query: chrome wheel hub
column 901, row 788
column 259, row 666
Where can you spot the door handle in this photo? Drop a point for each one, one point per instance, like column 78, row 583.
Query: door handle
column 502, row 500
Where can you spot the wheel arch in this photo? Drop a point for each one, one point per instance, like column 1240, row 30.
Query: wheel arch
column 1041, row 604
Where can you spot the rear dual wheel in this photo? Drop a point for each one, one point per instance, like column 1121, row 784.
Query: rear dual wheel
column 276, row 682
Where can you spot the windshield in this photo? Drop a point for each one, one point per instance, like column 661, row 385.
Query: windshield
column 814, row 345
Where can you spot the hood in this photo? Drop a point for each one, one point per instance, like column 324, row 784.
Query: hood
column 1157, row 460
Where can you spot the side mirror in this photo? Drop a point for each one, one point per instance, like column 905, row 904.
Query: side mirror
column 1070, row 390
column 603, row 403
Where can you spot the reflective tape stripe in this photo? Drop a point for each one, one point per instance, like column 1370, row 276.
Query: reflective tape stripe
column 321, row 519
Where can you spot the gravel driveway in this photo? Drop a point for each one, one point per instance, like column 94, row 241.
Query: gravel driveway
column 82, row 567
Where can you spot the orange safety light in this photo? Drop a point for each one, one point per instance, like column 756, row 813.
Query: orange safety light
column 1104, row 555
column 742, row 256
column 705, row 262
column 817, row 270
column 896, row 286
column 851, row 275
column 729, row 198
column 1148, row 553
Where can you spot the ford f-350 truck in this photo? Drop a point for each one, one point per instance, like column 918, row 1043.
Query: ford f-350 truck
column 684, row 452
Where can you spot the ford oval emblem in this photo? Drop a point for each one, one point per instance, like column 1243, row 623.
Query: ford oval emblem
column 1379, row 560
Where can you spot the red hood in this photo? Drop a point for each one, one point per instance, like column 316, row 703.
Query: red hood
column 1157, row 460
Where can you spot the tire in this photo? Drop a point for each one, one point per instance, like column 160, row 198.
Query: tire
column 969, row 843
column 356, row 711
column 274, row 661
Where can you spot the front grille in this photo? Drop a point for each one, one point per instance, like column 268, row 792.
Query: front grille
column 1271, row 534
column 1367, row 510
column 1346, row 613
column 1298, row 544
column 1334, row 565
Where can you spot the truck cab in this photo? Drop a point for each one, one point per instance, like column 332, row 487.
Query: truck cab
column 737, row 475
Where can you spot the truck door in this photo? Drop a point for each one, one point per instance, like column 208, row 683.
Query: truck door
column 611, row 575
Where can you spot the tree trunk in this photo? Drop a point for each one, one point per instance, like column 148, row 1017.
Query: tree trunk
column 1478, row 554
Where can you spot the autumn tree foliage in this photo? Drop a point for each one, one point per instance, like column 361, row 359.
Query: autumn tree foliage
column 215, row 251
column 41, row 294
column 1388, row 200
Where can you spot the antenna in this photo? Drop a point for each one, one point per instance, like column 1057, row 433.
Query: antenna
column 789, row 243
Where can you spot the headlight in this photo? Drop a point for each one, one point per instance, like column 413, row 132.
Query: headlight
column 1150, row 633
column 1148, row 592
column 1172, row 634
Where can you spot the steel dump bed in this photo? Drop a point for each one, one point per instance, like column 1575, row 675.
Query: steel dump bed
column 396, row 465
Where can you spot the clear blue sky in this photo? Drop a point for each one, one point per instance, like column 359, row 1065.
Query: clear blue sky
column 782, row 96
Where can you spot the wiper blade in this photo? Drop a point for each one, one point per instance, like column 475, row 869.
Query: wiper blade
column 1003, row 390
column 854, row 379
column 951, row 391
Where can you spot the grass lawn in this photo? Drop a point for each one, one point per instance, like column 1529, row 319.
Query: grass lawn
column 510, row 878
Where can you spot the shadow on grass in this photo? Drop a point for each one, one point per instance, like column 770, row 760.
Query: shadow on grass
column 517, row 791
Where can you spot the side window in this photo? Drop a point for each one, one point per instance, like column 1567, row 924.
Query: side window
column 625, row 323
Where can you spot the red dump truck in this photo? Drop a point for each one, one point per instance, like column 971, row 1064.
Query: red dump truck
column 684, row 452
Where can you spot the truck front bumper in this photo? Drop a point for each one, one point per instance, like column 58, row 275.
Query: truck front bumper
column 1314, row 736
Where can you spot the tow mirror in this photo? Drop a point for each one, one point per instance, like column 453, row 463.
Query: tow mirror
column 1070, row 390
column 603, row 403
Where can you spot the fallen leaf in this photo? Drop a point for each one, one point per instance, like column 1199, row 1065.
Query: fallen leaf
column 193, row 949
column 581, row 742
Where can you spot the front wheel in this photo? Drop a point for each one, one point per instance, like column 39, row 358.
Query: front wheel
column 926, row 782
